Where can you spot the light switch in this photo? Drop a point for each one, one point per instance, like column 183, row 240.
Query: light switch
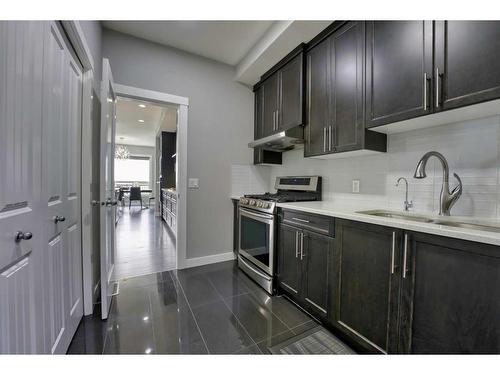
column 355, row 186
column 194, row 183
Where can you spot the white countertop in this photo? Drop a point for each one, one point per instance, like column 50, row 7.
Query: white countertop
column 350, row 213
column 237, row 197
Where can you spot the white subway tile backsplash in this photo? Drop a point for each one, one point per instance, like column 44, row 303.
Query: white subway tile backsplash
column 472, row 149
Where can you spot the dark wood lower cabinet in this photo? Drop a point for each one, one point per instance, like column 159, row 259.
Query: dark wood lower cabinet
column 304, row 258
column 393, row 291
column 450, row 297
column 289, row 272
column 365, row 284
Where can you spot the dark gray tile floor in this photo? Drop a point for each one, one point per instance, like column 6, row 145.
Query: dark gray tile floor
column 212, row 309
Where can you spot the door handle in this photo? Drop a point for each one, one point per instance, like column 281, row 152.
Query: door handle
column 97, row 203
column 58, row 218
column 405, row 256
column 301, row 220
column 324, row 139
column 425, row 91
column 23, row 236
column 437, row 87
column 296, row 244
column 393, row 252
column 330, row 138
column 302, row 246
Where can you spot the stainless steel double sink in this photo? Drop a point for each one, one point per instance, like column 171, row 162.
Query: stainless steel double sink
column 431, row 220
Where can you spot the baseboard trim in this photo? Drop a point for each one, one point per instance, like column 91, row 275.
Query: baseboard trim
column 202, row 261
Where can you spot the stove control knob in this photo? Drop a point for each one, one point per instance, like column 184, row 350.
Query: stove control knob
column 267, row 205
column 252, row 202
column 260, row 204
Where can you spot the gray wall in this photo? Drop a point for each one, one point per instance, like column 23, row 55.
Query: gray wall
column 220, row 124
column 93, row 35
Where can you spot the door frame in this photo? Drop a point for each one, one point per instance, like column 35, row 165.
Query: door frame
column 76, row 37
column 182, row 130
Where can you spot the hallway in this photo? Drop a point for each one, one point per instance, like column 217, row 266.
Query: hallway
column 144, row 245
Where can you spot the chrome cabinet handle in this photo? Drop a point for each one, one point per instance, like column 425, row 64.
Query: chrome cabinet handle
column 58, row 219
column 324, row 139
column 330, row 138
column 437, row 87
column 302, row 246
column 96, row 203
column 393, row 251
column 296, row 244
column 23, row 236
column 425, row 91
column 404, row 257
column 301, row 220
column 277, row 119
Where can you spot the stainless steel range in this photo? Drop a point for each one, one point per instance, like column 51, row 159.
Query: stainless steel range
column 258, row 224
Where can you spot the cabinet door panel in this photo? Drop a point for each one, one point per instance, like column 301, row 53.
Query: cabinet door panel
column 270, row 104
column 398, row 54
column 366, row 304
column 451, row 299
column 316, row 258
column 467, row 54
column 288, row 271
column 317, row 98
column 347, row 86
column 291, row 93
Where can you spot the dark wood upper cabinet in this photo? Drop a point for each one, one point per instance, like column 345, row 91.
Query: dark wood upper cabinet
column 270, row 90
column 334, row 100
column 366, row 284
column 282, row 90
column 451, row 297
column 261, row 156
column 317, row 99
column 398, row 70
column 291, row 94
column 467, row 55
column 346, row 106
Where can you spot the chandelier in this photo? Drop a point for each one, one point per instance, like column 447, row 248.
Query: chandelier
column 121, row 152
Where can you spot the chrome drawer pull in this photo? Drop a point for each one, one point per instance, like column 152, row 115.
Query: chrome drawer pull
column 301, row 220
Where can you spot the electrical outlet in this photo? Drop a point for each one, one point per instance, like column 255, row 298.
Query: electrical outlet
column 355, row 186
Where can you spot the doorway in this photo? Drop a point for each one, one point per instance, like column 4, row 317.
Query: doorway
column 145, row 169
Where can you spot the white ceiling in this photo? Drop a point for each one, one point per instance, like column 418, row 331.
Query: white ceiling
column 130, row 131
column 224, row 41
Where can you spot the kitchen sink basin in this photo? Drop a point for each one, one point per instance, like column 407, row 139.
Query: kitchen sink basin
column 437, row 221
column 461, row 224
column 397, row 215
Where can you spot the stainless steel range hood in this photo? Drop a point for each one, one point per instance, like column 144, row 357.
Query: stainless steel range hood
column 282, row 141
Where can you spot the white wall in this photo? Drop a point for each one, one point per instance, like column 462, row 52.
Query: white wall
column 220, row 124
column 472, row 149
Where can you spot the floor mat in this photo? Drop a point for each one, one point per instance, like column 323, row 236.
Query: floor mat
column 314, row 341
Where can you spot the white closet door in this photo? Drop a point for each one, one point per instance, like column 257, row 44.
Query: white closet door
column 73, row 261
column 54, row 154
column 21, row 51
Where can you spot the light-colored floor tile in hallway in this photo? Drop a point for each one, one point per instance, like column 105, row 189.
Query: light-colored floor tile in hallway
column 144, row 245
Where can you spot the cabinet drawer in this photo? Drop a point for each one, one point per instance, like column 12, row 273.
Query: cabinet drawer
column 316, row 223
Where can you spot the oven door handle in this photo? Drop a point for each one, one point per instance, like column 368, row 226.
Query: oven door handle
column 256, row 215
column 252, row 268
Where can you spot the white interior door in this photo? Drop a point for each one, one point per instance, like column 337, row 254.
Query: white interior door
column 107, row 195
column 61, row 171
column 21, row 46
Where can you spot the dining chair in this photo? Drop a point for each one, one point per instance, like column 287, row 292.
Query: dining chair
column 135, row 195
